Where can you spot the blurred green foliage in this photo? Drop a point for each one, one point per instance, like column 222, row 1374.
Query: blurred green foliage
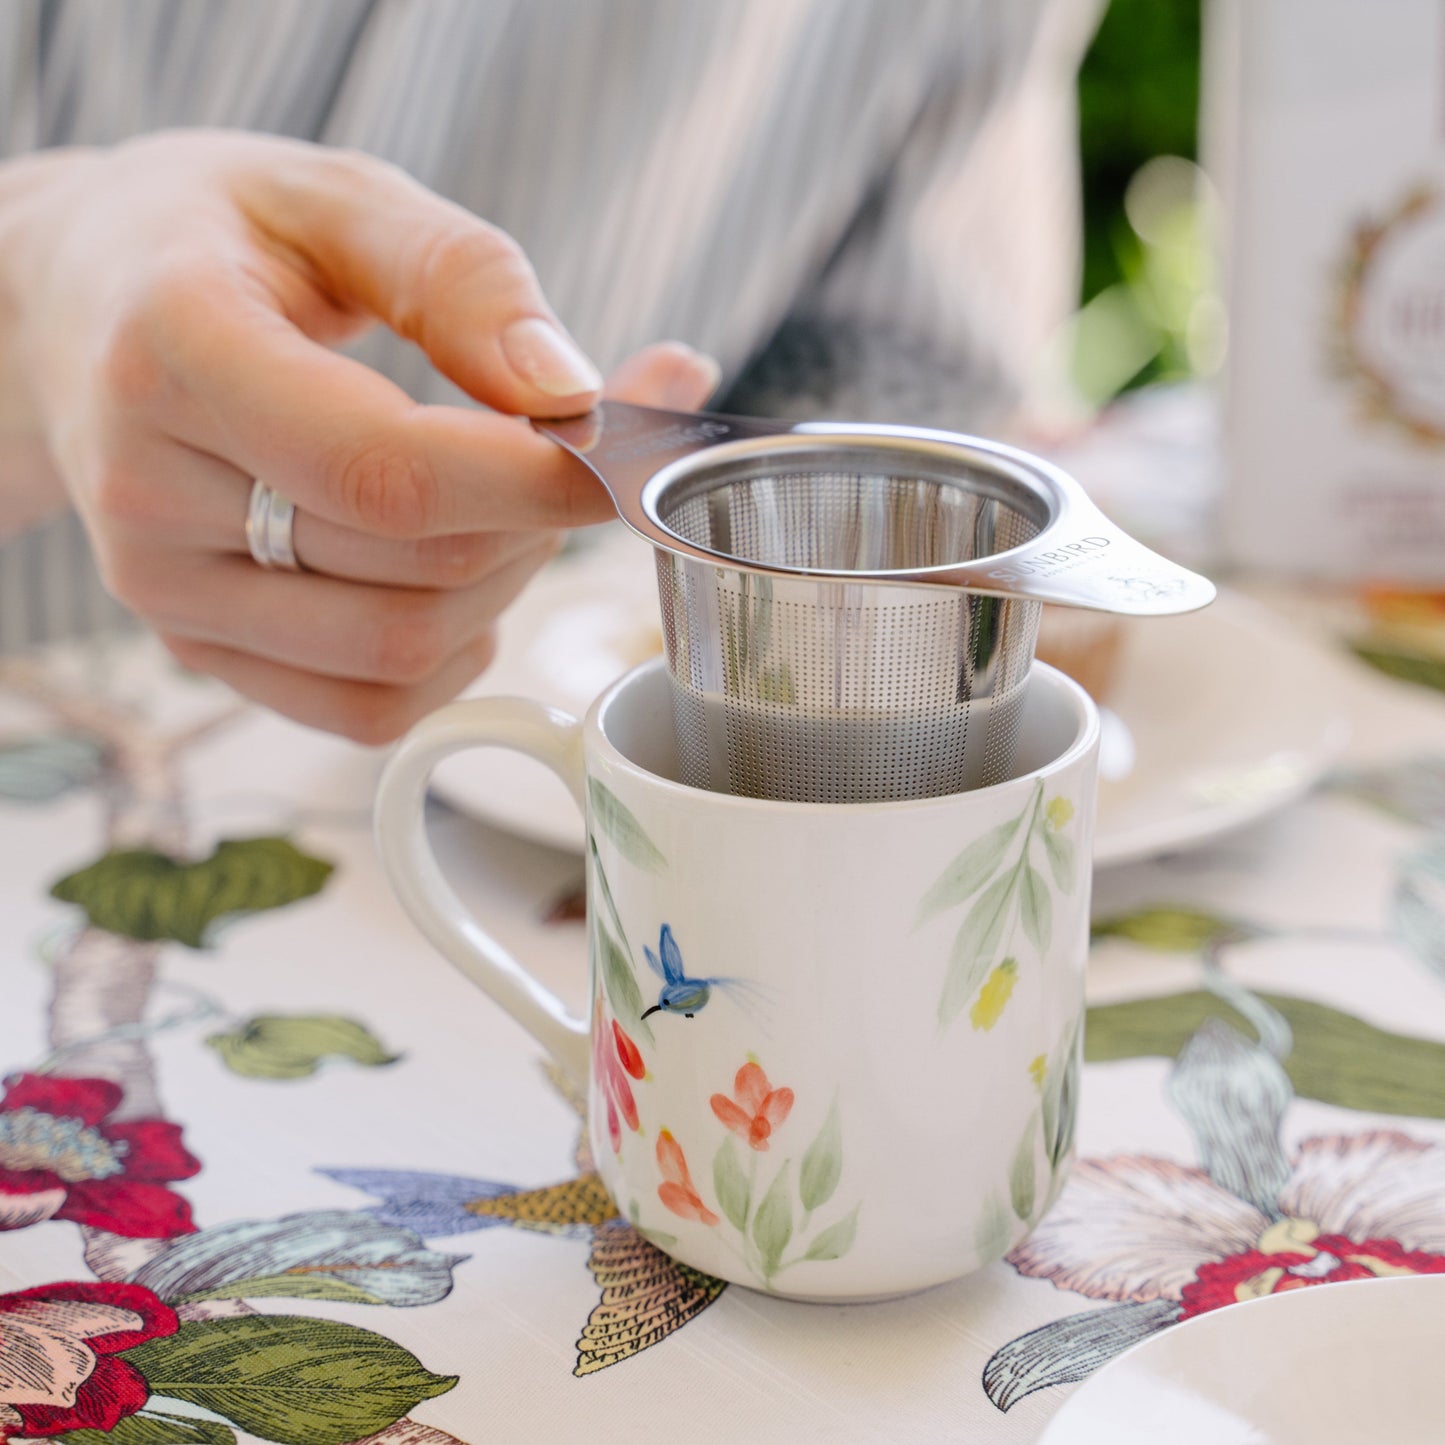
column 1138, row 98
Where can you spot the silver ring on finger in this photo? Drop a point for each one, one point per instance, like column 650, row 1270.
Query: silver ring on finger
column 270, row 518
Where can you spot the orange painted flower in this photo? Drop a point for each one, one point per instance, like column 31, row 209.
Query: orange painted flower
column 677, row 1190
column 755, row 1109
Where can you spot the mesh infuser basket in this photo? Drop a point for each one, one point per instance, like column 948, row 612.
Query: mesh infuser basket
column 850, row 612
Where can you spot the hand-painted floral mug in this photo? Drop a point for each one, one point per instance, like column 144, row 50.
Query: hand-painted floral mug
column 833, row 1048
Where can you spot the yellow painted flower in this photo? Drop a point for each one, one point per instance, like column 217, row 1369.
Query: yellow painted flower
column 994, row 995
column 1058, row 813
column 1036, row 1070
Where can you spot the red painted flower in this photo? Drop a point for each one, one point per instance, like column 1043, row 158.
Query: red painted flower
column 58, row 1348
column 614, row 1057
column 755, row 1109
column 1325, row 1259
column 677, row 1190
column 61, row 1157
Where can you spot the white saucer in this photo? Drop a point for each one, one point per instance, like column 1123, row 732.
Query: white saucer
column 1222, row 716
column 1335, row 1364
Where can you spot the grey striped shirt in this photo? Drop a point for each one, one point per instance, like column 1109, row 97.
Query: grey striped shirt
column 861, row 207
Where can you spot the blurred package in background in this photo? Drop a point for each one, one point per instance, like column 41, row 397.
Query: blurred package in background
column 1324, row 130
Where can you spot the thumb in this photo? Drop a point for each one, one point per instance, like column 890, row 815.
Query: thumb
column 463, row 290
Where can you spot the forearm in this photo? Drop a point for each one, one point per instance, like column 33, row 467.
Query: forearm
column 30, row 485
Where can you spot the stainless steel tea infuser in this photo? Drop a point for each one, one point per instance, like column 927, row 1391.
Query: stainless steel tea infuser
column 850, row 611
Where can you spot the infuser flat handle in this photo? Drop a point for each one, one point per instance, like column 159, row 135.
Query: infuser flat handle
column 1081, row 560
column 1095, row 566
column 624, row 446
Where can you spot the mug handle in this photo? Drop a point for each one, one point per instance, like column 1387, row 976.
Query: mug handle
column 541, row 732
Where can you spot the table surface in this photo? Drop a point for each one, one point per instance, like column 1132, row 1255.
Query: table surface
column 363, row 1194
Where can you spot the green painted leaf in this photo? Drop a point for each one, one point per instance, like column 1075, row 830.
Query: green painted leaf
column 773, row 1222
column 155, row 1428
column 993, row 1231
column 835, row 1241
column 731, row 1184
column 35, row 770
column 604, row 890
column 1022, row 1183
column 1418, row 907
column 615, row 821
column 1175, row 930
column 314, row 1254
column 620, row 984
column 822, row 1164
column 1060, row 1096
column 1337, row 1058
column 293, row 1046
column 1036, row 909
column 659, row 1238
column 974, row 948
column 969, row 871
column 288, row 1378
column 139, row 893
column 1060, row 851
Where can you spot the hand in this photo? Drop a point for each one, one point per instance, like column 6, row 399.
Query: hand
column 167, row 309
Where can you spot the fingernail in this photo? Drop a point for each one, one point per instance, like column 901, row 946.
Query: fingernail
column 548, row 359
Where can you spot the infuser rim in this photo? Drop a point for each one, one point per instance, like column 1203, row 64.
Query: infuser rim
column 1038, row 490
column 1081, row 705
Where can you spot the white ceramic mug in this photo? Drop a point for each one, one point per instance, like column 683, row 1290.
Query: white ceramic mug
column 833, row 1049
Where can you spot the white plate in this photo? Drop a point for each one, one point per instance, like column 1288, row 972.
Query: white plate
column 1217, row 718
column 1335, row 1364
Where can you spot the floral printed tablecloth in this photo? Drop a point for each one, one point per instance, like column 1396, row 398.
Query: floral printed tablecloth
column 271, row 1170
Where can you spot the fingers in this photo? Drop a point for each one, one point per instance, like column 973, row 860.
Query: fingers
column 666, row 374
column 368, row 712
column 319, row 624
column 347, row 445
column 171, row 496
column 461, row 289
column 462, row 560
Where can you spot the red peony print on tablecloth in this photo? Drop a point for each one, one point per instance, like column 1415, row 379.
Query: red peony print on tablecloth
column 59, row 1348
column 62, row 1156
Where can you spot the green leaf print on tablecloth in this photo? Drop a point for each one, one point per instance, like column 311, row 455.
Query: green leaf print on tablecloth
column 1336, row 1058
column 290, row 1379
column 294, row 1046
column 154, row 1429
column 144, row 894
column 1176, row 930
